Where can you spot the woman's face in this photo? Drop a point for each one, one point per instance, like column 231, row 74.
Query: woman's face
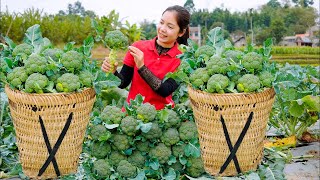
column 168, row 29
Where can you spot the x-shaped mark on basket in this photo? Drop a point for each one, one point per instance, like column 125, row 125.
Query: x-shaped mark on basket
column 52, row 152
column 233, row 150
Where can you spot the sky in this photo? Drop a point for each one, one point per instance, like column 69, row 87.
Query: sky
column 134, row 11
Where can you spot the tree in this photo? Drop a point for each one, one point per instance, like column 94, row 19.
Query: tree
column 149, row 29
column 189, row 5
column 278, row 29
column 274, row 4
column 303, row 3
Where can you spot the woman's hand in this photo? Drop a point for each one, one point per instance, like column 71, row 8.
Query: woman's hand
column 107, row 67
column 138, row 56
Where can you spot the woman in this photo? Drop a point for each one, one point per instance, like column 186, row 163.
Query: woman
column 148, row 61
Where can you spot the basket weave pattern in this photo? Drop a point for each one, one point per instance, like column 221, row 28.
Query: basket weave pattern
column 235, row 108
column 54, row 109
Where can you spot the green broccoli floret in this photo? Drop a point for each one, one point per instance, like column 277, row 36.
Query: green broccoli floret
column 86, row 78
column 115, row 157
column 146, row 112
column 170, row 136
column 206, row 51
column 199, row 77
column 97, row 131
column 102, row 168
column 143, row 146
column 24, row 50
column 36, row 64
column 3, row 65
column 235, row 55
column 161, row 152
column 137, row 159
column 112, row 115
column 17, row 76
column 195, row 167
column 68, row 82
column 154, row 133
column 252, row 62
column 177, row 166
column 178, row 149
column 248, row 83
column 172, row 120
column 72, row 60
column 126, row 169
column 54, row 54
column 115, row 41
column 217, row 65
column 129, row 125
column 266, row 79
column 121, row 142
column 36, row 82
column 100, row 149
column 188, row 130
column 217, row 83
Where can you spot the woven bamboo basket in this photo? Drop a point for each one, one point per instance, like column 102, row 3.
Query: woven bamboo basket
column 234, row 108
column 54, row 110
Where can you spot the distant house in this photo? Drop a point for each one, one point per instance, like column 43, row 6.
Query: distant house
column 310, row 38
column 195, row 34
column 238, row 39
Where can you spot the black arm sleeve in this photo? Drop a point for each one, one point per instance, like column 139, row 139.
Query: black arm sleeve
column 164, row 89
column 125, row 75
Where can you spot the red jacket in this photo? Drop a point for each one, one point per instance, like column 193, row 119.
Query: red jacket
column 159, row 65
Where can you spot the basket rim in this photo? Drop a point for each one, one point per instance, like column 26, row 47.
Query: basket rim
column 229, row 94
column 7, row 87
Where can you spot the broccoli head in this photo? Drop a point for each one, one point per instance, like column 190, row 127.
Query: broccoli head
column 235, row 55
column 68, row 82
column 86, row 78
column 217, row 65
column 17, row 76
column 217, row 83
column 115, row 40
column 206, row 51
column 161, row 152
column 97, row 131
column 121, row 142
column 154, row 133
column 266, row 79
column 72, row 60
column 178, row 149
column 177, row 166
column 248, row 83
column 195, row 167
column 170, row 137
column 102, row 168
column 143, row 146
column 36, row 82
column 36, row 64
column 146, row 112
column 129, row 125
column 252, row 61
column 112, row 115
column 100, row 149
column 188, row 130
column 137, row 159
column 115, row 157
column 173, row 119
column 199, row 77
column 53, row 54
column 23, row 50
column 126, row 169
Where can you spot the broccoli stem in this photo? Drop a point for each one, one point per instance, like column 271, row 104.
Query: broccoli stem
column 112, row 59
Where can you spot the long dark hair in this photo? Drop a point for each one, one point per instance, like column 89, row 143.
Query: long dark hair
column 183, row 20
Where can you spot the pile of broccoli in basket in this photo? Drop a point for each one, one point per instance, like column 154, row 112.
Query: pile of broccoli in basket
column 143, row 142
column 35, row 66
column 218, row 67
